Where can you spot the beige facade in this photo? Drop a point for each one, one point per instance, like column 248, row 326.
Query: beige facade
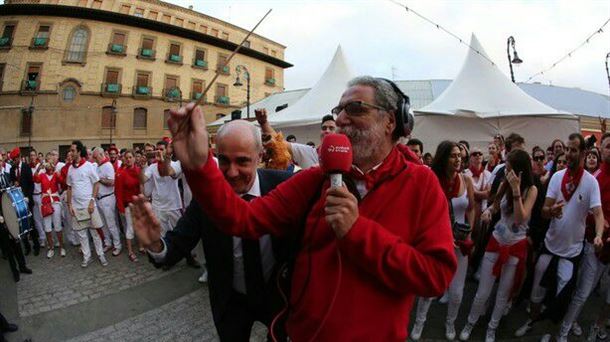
column 73, row 65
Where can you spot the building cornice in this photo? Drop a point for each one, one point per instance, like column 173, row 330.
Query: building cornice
column 129, row 20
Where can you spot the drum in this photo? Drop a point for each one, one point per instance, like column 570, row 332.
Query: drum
column 15, row 212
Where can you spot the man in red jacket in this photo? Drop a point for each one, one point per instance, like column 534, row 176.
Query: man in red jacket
column 364, row 254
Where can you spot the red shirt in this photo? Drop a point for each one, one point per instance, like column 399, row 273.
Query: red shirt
column 49, row 185
column 401, row 246
column 63, row 176
column 126, row 185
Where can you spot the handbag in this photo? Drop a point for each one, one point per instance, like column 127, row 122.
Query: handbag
column 46, row 209
column 460, row 230
column 83, row 219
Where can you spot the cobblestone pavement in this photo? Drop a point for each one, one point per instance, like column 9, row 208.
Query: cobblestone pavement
column 61, row 282
column 185, row 319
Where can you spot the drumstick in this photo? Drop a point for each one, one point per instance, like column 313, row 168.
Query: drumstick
column 198, row 102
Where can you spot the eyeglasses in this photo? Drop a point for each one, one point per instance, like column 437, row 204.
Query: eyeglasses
column 538, row 158
column 476, row 154
column 355, row 108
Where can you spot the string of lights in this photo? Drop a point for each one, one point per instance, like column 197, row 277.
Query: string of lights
column 440, row 27
column 569, row 54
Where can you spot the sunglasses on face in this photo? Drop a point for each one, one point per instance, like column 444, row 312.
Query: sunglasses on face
column 476, row 154
column 538, row 158
column 355, row 108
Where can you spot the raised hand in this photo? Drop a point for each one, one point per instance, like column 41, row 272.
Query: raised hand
column 514, row 180
column 261, row 116
column 190, row 136
column 145, row 224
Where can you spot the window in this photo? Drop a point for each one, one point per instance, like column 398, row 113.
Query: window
column 125, row 9
column 199, row 60
column 117, row 44
column 179, row 22
column 142, row 88
column 112, row 85
column 153, row 15
column 221, row 94
column 148, row 43
column 225, row 36
column 269, row 76
column 7, row 36
column 147, row 49
column 139, row 118
column 112, row 76
column 68, row 94
column 222, row 68
column 108, row 120
column 97, row 4
column 166, row 18
column 203, row 29
column 41, row 40
column 192, row 25
column 196, row 89
column 171, row 90
column 1, row 75
column 32, row 81
column 215, row 32
column 165, row 118
column 78, row 45
column 142, row 80
column 139, row 12
column 174, row 53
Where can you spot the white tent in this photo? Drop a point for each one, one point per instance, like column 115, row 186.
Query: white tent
column 481, row 102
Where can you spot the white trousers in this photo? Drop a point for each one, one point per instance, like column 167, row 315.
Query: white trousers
column 83, row 236
column 168, row 219
column 455, row 292
column 128, row 224
column 67, row 221
column 564, row 274
column 37, row 216
column 486, row 284
column 53, row 220
column 589, row 274
column 112, row 236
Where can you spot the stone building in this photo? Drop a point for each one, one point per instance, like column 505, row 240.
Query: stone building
column 108, row 70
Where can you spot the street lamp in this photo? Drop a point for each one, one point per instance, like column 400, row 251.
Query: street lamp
column 239, row 84
column 515, row 60
column 113, row 112
column 608, row 71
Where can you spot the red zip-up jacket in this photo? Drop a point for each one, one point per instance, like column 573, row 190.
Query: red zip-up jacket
column 401, row 246
column 126, row 185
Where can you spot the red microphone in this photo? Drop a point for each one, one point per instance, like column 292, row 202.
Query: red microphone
column 336, row 157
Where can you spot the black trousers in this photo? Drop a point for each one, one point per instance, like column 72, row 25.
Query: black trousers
column 12, row 250
column 33, row 234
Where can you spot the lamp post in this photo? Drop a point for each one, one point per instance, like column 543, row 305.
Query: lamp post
column 515, row 60
column 239, row 84
column 29, row 111
column 608, row 71
column 113, row 112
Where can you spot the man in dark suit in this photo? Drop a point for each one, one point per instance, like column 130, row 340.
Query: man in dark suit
column 21, row 175
column 242, row 273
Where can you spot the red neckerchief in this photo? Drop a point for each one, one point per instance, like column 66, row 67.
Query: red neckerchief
column 105, row 160
column 491, row 165
column 33, row 165
column 390, row 166
column 476, row 173
column 80, row 163
column 451, row 188
column 570, row 182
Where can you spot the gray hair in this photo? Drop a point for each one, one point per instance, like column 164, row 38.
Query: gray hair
column 385, row 95
column 229, row 126
column 98, row 150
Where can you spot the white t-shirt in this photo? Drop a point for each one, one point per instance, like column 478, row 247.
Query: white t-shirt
column 565, row 235
column 105, row 170
column 165, row 192
column 59, row 166
column 37, row 186
column 7, row 167
column 304, row 155
column 483, row 181
column 82, row 179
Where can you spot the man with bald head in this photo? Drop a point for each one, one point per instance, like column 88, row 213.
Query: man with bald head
column 240, row 271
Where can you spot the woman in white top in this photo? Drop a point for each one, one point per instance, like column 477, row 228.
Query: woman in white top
column 459, row 191
column 506, row 252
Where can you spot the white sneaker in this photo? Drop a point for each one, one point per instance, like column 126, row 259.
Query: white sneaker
column 116, row 251
column 85, row 262
column 490, row 335
column 449, row 331
column 50, row 253
column 465, row 334
column 561, row 339
column 444, row 299
column 546, row 338
column 507, row 308
column 103, row 261
column 576, row 329
column 524, row 329
column 62, row 252
column 204, row 277
column 416, row 331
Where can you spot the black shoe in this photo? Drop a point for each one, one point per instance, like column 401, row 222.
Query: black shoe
column 11, row 328
column 16, row 277
column 25, row 270
column 36, row 251
column 193, row 263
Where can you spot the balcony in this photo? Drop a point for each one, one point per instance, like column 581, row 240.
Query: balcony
column 5, row 42
column 142, row 92
column 222, row 100
column 223, row 70
column 172, row 94
column 116, row 49
column 200, row 64
column 30, row 87
column 270, row 81
column 174, row 59
column 40, row 43
column 196, row 96
column 111, row 89
column 147, row 54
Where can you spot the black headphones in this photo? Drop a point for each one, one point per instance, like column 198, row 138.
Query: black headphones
column 404, row 120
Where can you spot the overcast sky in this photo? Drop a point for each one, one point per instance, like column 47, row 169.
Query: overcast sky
column 380, row 38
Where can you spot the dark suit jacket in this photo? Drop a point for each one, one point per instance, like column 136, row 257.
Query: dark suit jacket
column 218, row 248
column 26, row 180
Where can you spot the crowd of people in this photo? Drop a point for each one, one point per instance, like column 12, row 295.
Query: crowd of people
column 534, row 221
